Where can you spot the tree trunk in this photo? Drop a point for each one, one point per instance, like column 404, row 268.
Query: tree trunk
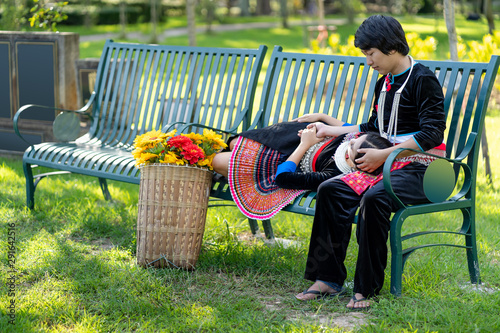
column 263, row 7
column 154, row 22
column 284, row 13
column 449, row 17
column 321, row 13
column 210, row 17
column 87, row 20
column 245, row 7
column 486, row 156
column 191, row 22
column 123, row 19
column 488, row 11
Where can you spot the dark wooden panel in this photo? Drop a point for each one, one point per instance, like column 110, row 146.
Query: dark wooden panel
column 36, row 64
column 10, row 141
column 5, row 79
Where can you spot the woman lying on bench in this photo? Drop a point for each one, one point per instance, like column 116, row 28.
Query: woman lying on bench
column 268, row 168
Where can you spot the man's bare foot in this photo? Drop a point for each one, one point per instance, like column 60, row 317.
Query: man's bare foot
column 319, row 289
column 358, row 302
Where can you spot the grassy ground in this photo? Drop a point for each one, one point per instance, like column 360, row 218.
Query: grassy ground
column 76, row 271
column 75, row 267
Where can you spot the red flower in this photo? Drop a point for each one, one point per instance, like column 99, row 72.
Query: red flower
column 193, row 154
column 180, row 142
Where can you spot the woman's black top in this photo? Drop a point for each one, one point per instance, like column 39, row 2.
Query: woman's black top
column 283, row 138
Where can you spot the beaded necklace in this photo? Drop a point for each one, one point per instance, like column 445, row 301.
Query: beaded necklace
column 392, row 128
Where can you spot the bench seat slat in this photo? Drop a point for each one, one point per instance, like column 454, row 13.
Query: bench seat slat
column 139, row 88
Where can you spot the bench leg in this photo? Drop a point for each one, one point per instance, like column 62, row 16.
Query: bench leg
column 397, row 261
column 30, row 186
column 268, row 229
column 469, row 228
column 266, row 224
column 254, row 226
column 104, row 188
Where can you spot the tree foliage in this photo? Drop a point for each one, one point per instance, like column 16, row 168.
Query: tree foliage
column 47, row 16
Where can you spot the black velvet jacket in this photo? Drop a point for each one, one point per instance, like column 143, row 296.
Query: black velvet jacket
column 421, row 107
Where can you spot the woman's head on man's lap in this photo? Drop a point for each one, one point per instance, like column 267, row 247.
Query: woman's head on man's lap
column 368, row 140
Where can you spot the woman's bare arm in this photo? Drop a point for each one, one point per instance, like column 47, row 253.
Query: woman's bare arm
column 315, row 117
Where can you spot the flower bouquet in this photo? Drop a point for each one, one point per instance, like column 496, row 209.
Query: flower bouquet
column 173, row 195
column 184, row 149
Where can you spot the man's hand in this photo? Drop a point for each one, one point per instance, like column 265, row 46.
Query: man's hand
column 372, row 159
column 323, row 130
column 319, row 117
column 310, row 118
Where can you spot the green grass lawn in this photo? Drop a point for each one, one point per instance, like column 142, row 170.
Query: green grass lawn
column 76, row 269
column 75, row 262
column 290, row 39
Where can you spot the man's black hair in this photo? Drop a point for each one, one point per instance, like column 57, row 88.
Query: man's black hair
column 381, row 32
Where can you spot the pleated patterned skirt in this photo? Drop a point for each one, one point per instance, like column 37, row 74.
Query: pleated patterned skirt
column 252, row 170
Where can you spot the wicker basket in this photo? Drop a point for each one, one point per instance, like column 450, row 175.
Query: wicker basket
column 173, row 203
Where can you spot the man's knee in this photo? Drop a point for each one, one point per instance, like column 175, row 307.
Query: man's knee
column 329, row 187
column 375, row 196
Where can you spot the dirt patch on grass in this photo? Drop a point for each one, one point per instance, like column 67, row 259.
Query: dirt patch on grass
column 101, row 244
column 346, row 321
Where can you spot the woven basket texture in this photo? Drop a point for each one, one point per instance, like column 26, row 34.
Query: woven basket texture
column 172, row 210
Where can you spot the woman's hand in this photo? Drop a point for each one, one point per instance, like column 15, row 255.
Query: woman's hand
column 308, row 136
column 323, row 130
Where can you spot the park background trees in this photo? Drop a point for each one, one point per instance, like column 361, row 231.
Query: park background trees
column 15, row 13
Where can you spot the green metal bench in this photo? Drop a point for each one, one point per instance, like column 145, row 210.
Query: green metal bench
column 343, row 86
column 146, row 87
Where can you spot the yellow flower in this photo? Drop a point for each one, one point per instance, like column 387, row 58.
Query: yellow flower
column 138, row 151
column 149, row 138
column 156, row 147
column 145, row 158
column 195, row 137
column 217, row 138
column 170, row 157
column 207, row 161
column 171, row 133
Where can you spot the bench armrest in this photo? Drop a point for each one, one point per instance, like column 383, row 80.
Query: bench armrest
column 465, row 187
column 17, row 116
column 257, row 119
column 169, row 127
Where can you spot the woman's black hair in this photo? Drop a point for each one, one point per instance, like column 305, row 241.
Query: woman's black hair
column 381, row 32
column 373, row 140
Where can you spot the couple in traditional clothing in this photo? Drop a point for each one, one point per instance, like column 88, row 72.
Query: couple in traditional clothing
column 267, row 168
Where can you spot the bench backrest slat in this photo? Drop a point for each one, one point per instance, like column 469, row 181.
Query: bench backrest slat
column 300, row 83
column 144, row 87
column 466, row 101
column 343, row 87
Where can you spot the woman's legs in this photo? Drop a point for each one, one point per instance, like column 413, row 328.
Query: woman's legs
column 220, row 163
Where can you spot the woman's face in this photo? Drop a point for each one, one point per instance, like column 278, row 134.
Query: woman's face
column 379, row 61
column 353, row 149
